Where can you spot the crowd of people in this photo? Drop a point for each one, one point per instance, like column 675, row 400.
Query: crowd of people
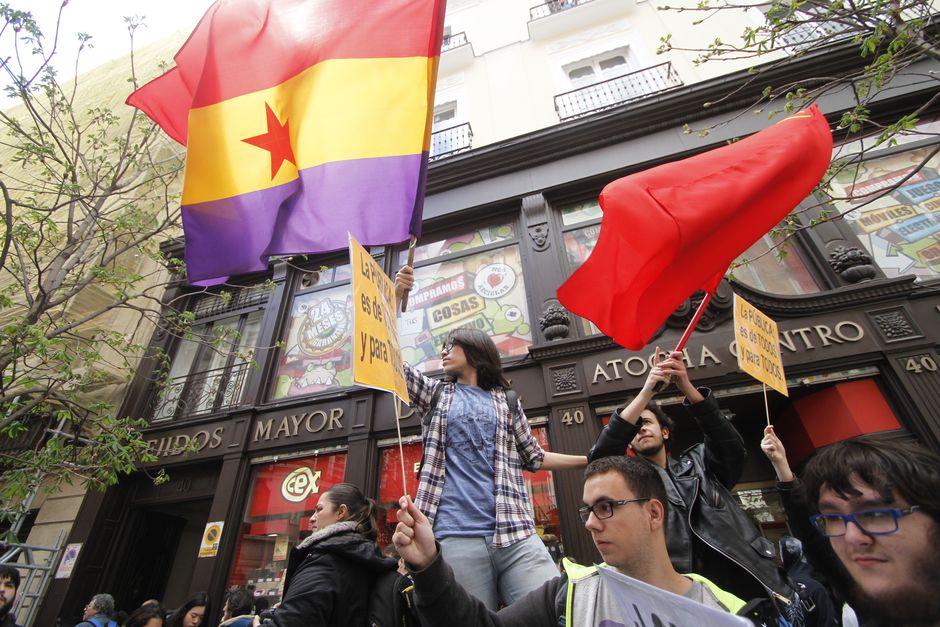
column 865, row 516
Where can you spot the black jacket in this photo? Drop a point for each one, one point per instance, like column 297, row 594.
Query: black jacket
column 706, row 531
column 329, row 579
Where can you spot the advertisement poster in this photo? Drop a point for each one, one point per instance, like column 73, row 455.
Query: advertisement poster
column 482, row 291
column 893, row 206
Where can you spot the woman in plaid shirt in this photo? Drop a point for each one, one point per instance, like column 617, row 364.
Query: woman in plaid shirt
column 471, row 486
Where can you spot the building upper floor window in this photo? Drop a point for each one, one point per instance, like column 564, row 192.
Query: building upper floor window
column 316, row 353
column 211, row 363
column 470, row 279
column 893, row 205
column 601, row 67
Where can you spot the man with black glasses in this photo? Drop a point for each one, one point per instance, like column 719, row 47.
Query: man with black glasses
column 625, row 511
column 874, row 528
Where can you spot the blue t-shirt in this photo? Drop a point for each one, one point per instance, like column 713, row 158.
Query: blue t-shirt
column 468, row 500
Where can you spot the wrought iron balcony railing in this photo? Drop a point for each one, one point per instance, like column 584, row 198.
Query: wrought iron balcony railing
column 451, row 141
column 454, row 41
column 813, row 33
column 200, row 393
column 553, row 6
column 616, row 91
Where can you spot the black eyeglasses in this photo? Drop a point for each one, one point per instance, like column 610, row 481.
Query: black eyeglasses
column 447, row 347
column 874, row 522
column 604, row 509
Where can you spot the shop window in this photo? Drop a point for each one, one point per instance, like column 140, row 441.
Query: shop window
column 458, row 287
column 765, row 508
column 540, row 485
column 211, row 364
column 899, row 229
column 767, row 267
column 317, row 346
column 282, row 498
column 391, row 486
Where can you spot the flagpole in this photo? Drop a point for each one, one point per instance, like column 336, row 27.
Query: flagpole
column 411, row 262
column 401, row 447
column 685, row 336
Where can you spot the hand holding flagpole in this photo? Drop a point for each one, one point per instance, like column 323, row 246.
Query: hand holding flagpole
column 405, row 279
column 685, row 336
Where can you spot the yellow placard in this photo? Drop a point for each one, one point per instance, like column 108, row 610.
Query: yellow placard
column 376, row 353
column 758, row 345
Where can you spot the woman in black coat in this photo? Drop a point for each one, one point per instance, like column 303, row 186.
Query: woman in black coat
column 330, row 574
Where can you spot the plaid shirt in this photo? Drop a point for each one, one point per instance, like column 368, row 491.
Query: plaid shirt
column 516, row 449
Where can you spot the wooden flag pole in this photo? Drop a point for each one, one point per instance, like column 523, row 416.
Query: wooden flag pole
column 401, row 446
column 411, row 262
column 688, row 332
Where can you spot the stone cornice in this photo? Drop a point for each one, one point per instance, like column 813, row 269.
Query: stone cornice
column 837, row 299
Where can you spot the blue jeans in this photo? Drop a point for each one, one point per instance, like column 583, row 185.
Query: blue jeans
column 492, row 574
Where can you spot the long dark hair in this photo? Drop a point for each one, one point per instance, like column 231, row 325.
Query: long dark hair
column 362, row 510
column 200, row 599
column 142, row 615
column 482, row 355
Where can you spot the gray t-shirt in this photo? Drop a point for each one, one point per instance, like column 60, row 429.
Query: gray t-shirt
column 468, row 500
column 704, row 595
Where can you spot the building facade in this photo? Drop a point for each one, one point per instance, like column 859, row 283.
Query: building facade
column 537, row 109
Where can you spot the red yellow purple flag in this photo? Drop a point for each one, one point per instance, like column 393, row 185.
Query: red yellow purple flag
column 674, row 229
column 304, row 120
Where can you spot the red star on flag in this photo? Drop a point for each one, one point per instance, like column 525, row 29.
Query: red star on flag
column 276, row 141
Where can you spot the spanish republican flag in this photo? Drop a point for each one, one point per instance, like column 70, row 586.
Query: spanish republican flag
column 672, row 230
column 303, row 119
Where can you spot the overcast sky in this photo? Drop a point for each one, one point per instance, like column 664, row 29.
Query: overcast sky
column 103, row 20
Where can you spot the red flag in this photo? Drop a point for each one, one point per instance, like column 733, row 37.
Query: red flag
column 674, row 229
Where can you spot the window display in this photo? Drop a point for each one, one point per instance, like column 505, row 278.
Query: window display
column 283, row 495
column 484, row 291
column 317, row 351
column 900, row 229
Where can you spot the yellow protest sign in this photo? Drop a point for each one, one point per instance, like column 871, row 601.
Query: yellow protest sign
column 376, row 355
column 758, row 345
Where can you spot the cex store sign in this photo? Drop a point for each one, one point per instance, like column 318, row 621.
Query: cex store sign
column 295, row 485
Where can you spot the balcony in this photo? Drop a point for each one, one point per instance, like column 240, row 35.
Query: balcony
column 811, row 35
column 616, row 91
column 554, row 6
column 451, row 140
column 557, row 17
column 454, row 41
column 200, row 393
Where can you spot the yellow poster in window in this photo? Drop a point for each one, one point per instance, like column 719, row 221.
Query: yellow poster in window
column 376, row 354
column 758, row 345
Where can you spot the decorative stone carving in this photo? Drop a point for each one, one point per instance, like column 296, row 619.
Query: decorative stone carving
column 555, row 322
column 720, row 308
column 539, row 235
column 852, row 264
column 894, row 325
column 565, row 380
column 535, row 212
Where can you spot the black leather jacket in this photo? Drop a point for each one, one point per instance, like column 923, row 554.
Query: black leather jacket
column 706, row 531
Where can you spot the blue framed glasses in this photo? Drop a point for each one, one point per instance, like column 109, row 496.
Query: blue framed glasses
column 874, row 522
